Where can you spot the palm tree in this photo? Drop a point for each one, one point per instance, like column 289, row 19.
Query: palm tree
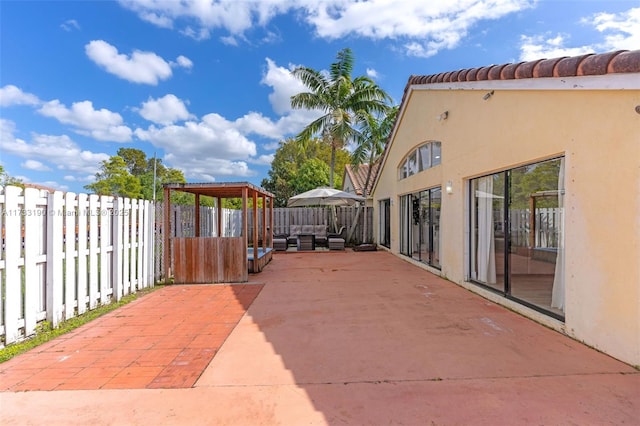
column 371, row 141
column 339, row 98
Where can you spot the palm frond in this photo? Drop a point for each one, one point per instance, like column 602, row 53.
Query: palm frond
column 343, row 66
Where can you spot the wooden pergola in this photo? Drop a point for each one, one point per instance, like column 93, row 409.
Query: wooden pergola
column 218, row 259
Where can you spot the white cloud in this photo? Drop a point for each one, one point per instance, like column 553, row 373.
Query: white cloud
column 235, row 17
column 35, row 165
column 371, row 73
column 284, row 86
column 621, row 32
column 100, row 124
column 165, row 110
column 87, row 178
column 140, row 67
column 537, row 47
column 423, row 27
column 70, row 25
column 184, row 62
column 198, row 35
column 60, row 151
column 264, row 160
column 212, row 147
column 12, row 95
column 217, row 146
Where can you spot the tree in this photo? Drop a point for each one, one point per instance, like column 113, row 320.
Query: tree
column 135, row 159
column 290, row 157
column 339, row 97
column 312, row 174
column 6, row 180
column 114, row 179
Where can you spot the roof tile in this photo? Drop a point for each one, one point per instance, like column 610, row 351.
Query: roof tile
column 545, row 67
column 568, row 67
column 597, row 64
column 509, row 71
column 625, row 62
column 525, row 69
column 495, row 71
column 483, row 73
column 472, row 74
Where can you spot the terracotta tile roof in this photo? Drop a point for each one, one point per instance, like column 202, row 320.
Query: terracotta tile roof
column 619, row 61
column 359, row 177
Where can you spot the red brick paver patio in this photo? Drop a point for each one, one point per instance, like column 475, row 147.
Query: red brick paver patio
column 163, row 340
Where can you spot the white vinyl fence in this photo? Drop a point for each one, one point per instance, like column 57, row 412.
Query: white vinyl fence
column 65, row 253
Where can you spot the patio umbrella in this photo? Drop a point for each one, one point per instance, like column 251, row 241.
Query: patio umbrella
column 324, row 197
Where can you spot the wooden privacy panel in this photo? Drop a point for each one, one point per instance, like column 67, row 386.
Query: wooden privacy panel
column 209, row 260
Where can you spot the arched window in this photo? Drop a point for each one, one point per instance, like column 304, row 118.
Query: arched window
column 422, row 158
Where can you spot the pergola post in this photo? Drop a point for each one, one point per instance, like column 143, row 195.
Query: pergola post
column 197, row 216
column 245, row 219
column 219, row 215
column 264, row 223
column 166, row 231
column 255, row 226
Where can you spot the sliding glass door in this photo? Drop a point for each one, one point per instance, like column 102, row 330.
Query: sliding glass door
column 385, row 223
column 516, row 225
column 420, row 226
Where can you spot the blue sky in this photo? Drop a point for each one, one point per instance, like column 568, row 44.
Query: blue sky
column 205, row 85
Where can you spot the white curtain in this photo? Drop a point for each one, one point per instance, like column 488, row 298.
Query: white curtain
column 486, row 247
column 557, row 295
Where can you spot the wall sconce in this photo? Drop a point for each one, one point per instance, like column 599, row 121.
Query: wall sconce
column 449, row 187
column 443, row 116
column 487, row 95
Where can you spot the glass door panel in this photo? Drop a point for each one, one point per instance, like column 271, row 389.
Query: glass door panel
column 535, row 231
column 488, row 231
column 434, row 227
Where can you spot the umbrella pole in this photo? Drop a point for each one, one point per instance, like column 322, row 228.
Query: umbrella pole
column 334, row 213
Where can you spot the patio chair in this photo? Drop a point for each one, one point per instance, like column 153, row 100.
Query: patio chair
column 335, row 240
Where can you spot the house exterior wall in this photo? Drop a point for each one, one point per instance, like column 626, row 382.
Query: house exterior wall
column 347, row 184
column 596, row 129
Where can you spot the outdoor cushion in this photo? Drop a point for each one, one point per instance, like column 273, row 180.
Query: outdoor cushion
column 280, row 244
column 320, row 232
column 336, row 243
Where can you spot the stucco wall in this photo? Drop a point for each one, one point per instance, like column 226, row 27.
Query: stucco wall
column 598, row 132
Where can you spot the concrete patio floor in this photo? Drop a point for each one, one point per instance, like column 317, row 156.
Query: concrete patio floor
column 327, row 338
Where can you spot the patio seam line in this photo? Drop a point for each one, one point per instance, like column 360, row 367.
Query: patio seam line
column 435, row 379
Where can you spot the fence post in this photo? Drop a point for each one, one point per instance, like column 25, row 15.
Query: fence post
column 118, row 249
column 32, row 236
column 104, row 244
column 69, row 255
column 93, row 250
column 83, row 211
column 13, row 280
column 54, row 258
column 135, row 241
column 125, row 206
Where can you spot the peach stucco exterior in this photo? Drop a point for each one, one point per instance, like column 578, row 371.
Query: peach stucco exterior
column 594, row 122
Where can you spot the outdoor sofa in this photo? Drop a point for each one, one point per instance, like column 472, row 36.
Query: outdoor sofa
column 282, row 241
